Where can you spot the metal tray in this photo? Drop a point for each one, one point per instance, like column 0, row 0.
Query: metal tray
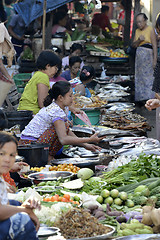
column 47, row 231
column 49, row 176
column 44, row 190
column 99, row 237
column 140, row 237
column 79, row 162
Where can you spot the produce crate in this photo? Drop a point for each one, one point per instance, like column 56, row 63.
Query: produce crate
column 21, row 80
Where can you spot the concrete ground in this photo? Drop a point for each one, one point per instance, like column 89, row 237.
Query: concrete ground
column 151, row 118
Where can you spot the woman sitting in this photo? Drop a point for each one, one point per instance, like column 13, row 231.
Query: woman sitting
column 50, row 124
column 57, row 77
column 59, row 22
column 38, row 86
column 76, row 49
column 86, row 76
column 19, row 221
column 74, row 68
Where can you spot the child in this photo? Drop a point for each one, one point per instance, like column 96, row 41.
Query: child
column 50, row 124
column 38, row 86
column 86, row 76
column 16, row 222
column 74, row 67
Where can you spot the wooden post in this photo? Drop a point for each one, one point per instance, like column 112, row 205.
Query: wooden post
column 48, row 36
column 128, row 7
column 137, row 9
column 44, row 24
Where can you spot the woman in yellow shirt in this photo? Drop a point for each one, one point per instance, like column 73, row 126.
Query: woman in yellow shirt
column 146, row 58
column 38, row 86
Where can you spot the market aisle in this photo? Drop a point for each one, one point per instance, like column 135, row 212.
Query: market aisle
column 151, row 118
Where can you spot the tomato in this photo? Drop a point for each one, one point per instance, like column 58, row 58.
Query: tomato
column 67, row 196
column 54, row 199
column 64, row 199
column 60, row 199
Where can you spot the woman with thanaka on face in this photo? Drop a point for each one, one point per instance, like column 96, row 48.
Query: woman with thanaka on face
column 75, row 50
column 146, row 58
column 50, row 123
column 17, row 221
column 86, row 76
column 74, row 68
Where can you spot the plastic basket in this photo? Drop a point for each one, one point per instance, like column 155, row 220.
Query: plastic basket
column 21, row 80
column 93, row 116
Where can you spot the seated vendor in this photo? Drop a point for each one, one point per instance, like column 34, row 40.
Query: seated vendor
column 75, row 50
column 38, row 86
column 11, row 185
column 50, row 124
column 17, row 221
column 86, row 76
column 56, row 77
column 74, row 68
column 59, row 22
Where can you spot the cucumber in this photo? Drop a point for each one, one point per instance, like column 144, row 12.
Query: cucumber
column 130, row 187
column 154, row 184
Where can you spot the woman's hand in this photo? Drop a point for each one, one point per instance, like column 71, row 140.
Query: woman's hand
column 34, row 218
column 92, row 147
column 32, row 203
column 152, row 104
column 18, row 166
column 95, row 139
column 141, row 38
column 154, row 62
column 75, row 110
column 10, row 188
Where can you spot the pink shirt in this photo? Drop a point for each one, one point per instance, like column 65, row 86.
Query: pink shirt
column 54, row 80
column 57, row 28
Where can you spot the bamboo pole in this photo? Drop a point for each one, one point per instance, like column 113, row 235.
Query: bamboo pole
column 44, row 24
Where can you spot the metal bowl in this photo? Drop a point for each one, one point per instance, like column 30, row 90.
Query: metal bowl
column 48, row 176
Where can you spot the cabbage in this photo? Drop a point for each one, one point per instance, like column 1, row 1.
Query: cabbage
column 85, row 173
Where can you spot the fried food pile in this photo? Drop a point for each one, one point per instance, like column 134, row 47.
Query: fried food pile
column 84, row 102
column 79, row 223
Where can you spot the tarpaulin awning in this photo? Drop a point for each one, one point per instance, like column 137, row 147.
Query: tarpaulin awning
column 32, row 9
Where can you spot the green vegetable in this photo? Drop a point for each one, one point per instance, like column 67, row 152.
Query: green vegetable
column 41, row 184
column 139, row 200
column 127, row 232
column 75, row 34
column 118, row 201
column 68, row 37
column 131, row 187
column 143, row 231
column 85, row 173
column 81, row 36
column 155, row 190
column 154, row 184
column 114, row 193
column 145, row 166
column 143, row 190
column 27, row 54
column 123, row 195
column 129, row 203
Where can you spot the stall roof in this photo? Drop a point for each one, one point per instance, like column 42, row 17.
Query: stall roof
column 32, row 9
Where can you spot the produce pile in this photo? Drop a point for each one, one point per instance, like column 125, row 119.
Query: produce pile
column 126, row 198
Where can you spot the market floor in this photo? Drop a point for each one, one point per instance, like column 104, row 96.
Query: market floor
column 151, row 118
